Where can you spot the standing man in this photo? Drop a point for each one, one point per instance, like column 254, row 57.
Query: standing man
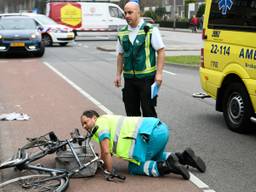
column 141, row 141
column 137, row 45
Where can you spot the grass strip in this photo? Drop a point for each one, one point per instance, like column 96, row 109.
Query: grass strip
column 183, row 60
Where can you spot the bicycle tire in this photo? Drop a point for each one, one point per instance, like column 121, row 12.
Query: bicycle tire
column 36, row 183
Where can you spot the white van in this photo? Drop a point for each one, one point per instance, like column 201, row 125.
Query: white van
column 87, row 16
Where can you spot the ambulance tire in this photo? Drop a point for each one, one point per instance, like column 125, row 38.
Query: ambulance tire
column 237, row 108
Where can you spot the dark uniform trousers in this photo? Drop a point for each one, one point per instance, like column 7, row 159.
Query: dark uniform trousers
column 137, row 96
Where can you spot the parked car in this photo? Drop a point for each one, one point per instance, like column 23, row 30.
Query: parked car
column 19, row 34
column 149, row 20
column 52, row 32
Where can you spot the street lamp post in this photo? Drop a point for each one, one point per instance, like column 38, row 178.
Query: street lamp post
column 174, row 14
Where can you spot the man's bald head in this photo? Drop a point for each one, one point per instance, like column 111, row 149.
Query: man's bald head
column 132, row 13
column 133, row 5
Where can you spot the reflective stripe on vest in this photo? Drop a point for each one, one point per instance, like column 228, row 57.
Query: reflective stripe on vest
column 149, row 69
column 118, row 129
column 122, row 133
column 147, row 51
column 117, row 134
column 135, row 135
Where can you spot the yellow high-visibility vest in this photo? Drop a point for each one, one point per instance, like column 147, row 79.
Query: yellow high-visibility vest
column 122, row 132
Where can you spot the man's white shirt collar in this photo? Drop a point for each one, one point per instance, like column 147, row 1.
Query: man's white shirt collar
column 138, row 26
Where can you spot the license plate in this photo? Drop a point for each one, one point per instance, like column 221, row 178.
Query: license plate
column 70, row 35
column 17, row 44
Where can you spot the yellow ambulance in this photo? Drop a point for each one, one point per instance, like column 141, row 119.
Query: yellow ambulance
column 228, row 60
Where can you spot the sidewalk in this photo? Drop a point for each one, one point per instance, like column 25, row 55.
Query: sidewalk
column 179, row 29
column 172, row 47
column 111, row 48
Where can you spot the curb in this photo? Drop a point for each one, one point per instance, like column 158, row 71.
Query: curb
column 106, row 49
column 183, row 65
column 176, row 64
column 185, row 30
column 166, row 49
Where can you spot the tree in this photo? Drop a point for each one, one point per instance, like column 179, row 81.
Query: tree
column 200, row 10
column 151, row 14
column 160, row 12
column 186, row 6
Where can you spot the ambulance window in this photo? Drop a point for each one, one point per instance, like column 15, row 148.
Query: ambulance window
column 241, row 16
column 115, row 12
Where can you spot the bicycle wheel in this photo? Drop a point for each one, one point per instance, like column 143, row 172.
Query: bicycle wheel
column 36, row 183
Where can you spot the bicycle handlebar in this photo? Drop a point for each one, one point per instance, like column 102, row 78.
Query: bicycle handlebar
column 77, row 137
column 50, row 139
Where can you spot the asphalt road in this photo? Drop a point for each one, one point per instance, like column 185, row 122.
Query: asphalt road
column 194, row 122
column 230, row 157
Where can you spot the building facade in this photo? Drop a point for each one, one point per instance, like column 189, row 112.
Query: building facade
column 15, row 5
column 174, row 8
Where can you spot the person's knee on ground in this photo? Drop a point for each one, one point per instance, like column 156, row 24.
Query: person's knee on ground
column 172, row 165
column 159, row 168
column 148, row 168
column 188, row 157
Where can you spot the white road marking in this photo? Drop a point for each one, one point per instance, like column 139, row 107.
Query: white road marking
column 80, row 90
column 196, row 181
column 168, row 72
column 200, row 184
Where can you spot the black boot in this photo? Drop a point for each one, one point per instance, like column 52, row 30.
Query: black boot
column 188, row 157
column 171, row 165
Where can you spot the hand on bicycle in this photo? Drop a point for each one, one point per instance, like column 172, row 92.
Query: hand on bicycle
column 113, row 176
column 77, row 137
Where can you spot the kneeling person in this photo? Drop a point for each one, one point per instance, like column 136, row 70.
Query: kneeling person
column 141, row 141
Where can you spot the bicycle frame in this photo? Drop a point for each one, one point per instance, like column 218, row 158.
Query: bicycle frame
column 24, row 161
column 27, row 164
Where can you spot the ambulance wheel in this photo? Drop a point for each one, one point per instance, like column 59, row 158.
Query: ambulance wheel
column 237, row 108
column 47, row 40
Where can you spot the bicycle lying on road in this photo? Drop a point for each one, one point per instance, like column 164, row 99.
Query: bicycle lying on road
column 36, row 177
